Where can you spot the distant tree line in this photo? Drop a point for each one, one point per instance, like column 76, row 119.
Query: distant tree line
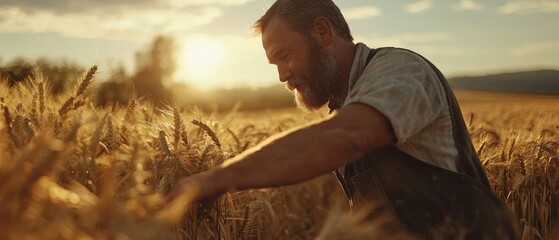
column 151, row 80
column 154, row 68
column 61, row 74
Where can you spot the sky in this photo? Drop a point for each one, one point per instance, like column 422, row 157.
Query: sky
column 217, row 47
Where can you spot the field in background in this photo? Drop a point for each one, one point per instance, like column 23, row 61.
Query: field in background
column 517, row 140
column 72, row 171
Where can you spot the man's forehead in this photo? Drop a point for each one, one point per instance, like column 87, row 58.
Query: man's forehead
column 274, row 31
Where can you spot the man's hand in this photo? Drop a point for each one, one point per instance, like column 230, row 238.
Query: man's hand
column 292, row 156
column 188, row 186
column 189, row 191
column 199, row 186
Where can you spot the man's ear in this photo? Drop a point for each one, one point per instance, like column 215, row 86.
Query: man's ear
column 322, row 28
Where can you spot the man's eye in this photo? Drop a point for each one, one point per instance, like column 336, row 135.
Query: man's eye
column 283, row 56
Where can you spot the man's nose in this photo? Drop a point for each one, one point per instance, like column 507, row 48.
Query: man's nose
column 284, row 73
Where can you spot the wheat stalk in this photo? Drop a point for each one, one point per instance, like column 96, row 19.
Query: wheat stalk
column 208, row 131
column 94, row 142
column 8, row 123
column 7, row 117
column 130, row 107
column 184, row 137
column 86, row 81
column 237, row 141
column 163, row 143
column 177, row 127
column 78, row 103
column 246, row 220
column 41, row 96
column 110, row 137
column 67, row 106
column 201, row 161
column 34, row 115
column 78, row 100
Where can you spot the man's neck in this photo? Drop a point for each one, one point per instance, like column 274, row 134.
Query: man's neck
column 346, row 57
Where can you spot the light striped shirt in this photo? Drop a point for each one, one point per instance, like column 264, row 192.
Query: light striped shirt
column 405, row 88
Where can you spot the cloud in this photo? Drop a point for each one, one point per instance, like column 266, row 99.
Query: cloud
column 419, row 7
column 135, row 20
column 75, row 6
column 407, row 38
column 529, row 7
column 359, row 13
column 206, row 2
column 534, row 49
column 470, row 5
column 429, row 43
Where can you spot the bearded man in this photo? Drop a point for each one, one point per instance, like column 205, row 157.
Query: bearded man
column 395, row 135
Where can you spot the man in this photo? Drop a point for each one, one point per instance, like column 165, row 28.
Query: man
column 395, row 136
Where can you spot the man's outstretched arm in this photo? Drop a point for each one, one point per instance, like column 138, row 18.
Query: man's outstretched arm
column 296, row 155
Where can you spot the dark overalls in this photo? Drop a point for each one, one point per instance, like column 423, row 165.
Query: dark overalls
column 426, row 200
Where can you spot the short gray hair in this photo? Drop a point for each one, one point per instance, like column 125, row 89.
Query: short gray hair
column 300, row 15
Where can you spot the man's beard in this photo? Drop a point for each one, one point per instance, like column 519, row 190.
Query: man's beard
column 324, row 75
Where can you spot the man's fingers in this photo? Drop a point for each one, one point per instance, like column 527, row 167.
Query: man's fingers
column 171, row 194
column 183, row 185
column 179, row 200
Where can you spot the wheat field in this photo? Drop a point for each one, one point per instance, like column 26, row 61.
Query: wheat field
column 69, row 170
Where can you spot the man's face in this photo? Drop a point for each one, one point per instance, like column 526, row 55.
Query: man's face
column 306, row 66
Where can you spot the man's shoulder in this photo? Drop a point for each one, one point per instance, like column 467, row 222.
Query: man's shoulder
column 396, row 51
column 394, row 55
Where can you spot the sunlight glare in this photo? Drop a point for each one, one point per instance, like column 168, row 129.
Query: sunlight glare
column 200, row 60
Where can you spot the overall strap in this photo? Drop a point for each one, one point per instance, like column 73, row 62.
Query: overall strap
column 337, row 104
column 339, row 175
column 468, row 161
column 372, row 53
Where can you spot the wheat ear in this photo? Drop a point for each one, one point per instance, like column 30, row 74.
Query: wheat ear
column 67, row 106
column 208, row 131
column 164, row 144
column 178, row 126
column 86, row 81
column 41, row 93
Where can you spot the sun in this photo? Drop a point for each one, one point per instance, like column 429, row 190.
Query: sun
column 199, row 61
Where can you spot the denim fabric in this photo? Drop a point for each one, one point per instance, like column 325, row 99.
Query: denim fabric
column 426, row 200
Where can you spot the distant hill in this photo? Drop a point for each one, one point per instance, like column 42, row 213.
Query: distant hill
column 243, row 98
column 277, row 96
column 534, row 82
